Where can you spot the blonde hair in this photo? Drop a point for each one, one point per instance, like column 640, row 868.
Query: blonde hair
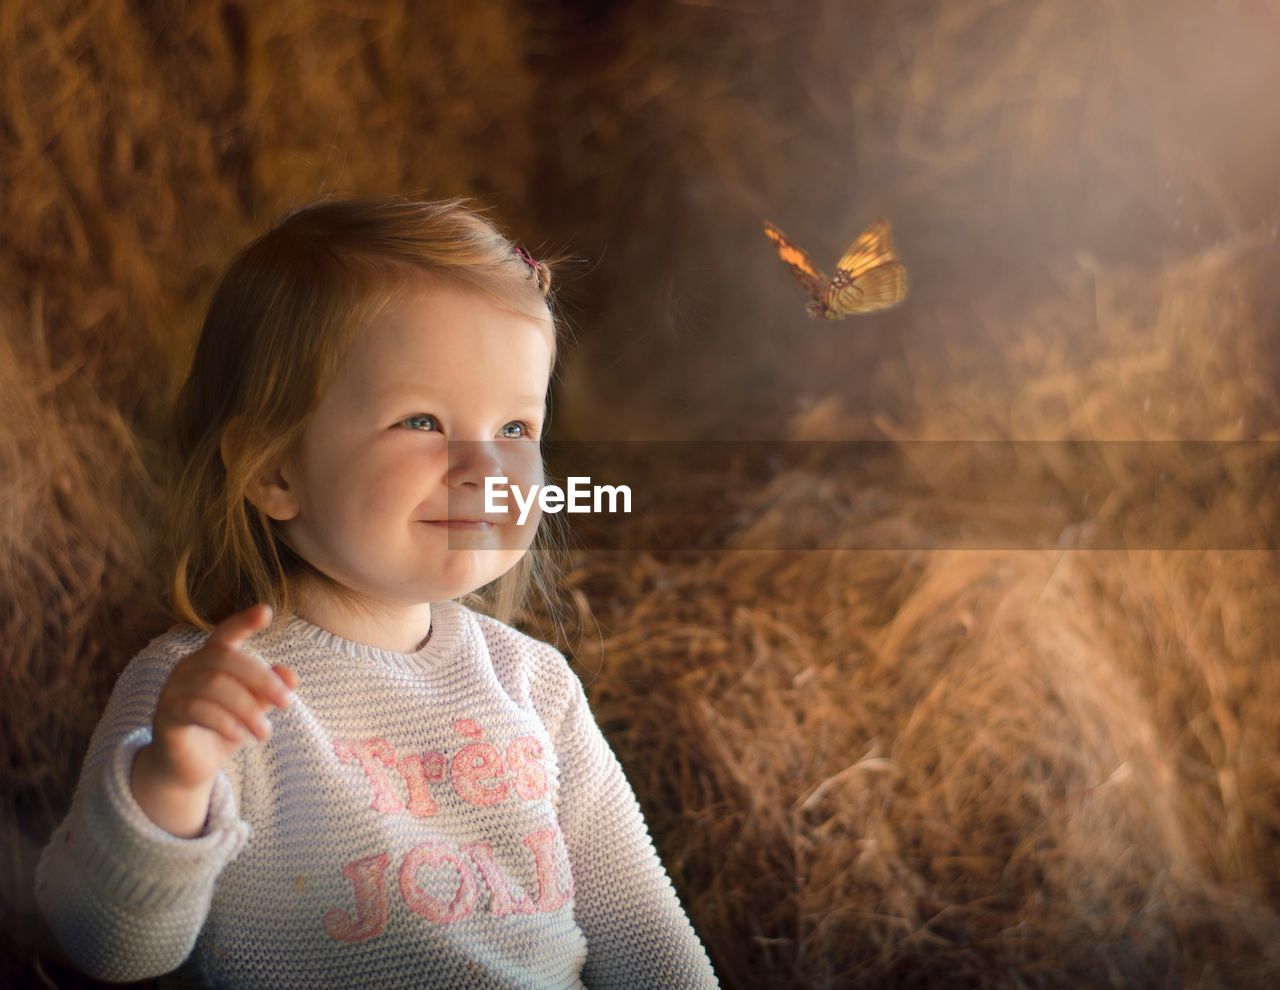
column 277, row 329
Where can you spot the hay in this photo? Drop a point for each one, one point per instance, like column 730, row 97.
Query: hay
column 976, row 767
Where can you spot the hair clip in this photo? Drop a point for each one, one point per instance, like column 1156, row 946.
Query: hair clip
column 537, row 270
column 524, row 256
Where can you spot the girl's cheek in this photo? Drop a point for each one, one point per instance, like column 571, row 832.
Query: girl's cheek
column 403, row 485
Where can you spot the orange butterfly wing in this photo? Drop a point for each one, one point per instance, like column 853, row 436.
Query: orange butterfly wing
column 802, row 267
column 873, row 247
column 868, row 275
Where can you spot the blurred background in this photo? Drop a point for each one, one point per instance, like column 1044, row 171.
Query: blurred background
column 884, row 767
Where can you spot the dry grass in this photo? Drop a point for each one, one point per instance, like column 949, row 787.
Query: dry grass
column 962, row 767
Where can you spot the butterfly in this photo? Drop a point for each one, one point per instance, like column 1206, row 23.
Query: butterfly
column 868, row 275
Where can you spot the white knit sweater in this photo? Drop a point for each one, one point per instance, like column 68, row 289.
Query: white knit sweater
column 446, row 818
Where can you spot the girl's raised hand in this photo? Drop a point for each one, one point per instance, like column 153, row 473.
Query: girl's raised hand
column 216, row 700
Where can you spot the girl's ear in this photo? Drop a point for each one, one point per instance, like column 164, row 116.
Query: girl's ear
column 271, row 492
column 273, row 495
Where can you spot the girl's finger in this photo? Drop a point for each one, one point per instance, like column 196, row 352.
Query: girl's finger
column 239, row 626
column 209, row 715
column 287, row 675
column 221, row 686
column 251, row 673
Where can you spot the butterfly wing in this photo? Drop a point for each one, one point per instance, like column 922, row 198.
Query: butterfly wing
column 879, row 288
column 802, row 267
column 873, row 247
column 868, row 276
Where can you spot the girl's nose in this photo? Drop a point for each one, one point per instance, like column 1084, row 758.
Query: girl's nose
column 471, row 461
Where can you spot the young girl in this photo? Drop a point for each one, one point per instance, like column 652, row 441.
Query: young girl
column 431, row 802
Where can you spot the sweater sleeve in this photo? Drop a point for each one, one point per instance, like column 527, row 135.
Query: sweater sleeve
column 637, row 932
column 124, row 898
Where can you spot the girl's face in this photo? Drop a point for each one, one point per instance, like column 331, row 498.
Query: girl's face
column 380, row 462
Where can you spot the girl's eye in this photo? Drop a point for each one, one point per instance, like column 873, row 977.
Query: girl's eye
column 526, row 431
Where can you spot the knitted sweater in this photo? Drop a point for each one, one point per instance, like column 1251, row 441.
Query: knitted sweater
column 446, row 818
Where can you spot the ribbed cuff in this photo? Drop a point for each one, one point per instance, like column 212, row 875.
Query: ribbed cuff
column 136, row 863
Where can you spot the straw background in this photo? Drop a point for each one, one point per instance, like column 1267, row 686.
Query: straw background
column 932, row 768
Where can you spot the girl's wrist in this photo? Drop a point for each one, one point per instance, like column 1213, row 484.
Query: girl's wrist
column 179, row 809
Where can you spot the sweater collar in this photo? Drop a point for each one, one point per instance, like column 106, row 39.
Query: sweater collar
column 447, row 632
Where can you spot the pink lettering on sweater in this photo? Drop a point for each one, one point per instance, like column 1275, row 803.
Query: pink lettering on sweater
column 523, row 755
column 373, row 755
column 543, row 846
column 419, row 901
column 368, row 880
column 371, row 902
column 472, row 766
column 477, row 773
column 419, row 772
column 501, row 901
